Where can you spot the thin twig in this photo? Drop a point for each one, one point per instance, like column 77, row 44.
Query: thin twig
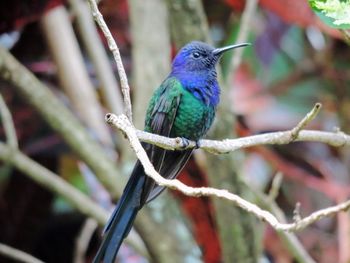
column 18, row 255
column 296, row 212
column 276, row 185
column 306, row 120
column 115, row 50
column 123, row 124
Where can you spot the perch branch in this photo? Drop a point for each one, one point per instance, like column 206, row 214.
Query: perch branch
column 124, row 124
column 336, row 139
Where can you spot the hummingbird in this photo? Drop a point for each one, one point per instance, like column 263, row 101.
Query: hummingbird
column 184, row 106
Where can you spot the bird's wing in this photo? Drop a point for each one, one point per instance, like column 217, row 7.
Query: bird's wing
column 162, row 117
column 173, row 163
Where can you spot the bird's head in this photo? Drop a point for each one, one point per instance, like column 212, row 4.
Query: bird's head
column 199, row 56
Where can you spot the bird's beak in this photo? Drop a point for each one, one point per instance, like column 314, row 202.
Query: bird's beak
column 219, row 51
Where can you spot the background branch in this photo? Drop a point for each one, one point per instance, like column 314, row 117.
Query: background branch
column 291, row 240
column 83, row 240
column 91, row 40
column 75, row 135
column 17, row 255
column 51, row 181
column 7, row 122
column 72, row 73
column 60, row 119
column 56, row 184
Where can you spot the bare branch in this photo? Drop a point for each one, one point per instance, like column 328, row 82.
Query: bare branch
column 336, row 139
column 17, row 254
column 115, row 50
column 124, row 124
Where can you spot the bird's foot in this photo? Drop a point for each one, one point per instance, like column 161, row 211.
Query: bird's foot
column 185, row 142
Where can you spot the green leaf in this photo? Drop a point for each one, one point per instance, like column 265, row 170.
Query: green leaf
column 335, row 13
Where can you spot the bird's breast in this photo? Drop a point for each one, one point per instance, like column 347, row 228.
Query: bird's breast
column 193, row 118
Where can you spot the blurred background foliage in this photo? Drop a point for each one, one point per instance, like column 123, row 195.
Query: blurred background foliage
column 299, row 56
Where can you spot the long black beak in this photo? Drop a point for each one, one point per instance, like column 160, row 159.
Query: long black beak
column 219, row 51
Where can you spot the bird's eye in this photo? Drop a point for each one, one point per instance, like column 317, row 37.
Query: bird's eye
column 196, row 54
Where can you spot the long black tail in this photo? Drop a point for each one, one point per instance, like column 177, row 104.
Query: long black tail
column 122, row 218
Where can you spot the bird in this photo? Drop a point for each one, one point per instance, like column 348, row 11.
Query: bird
column 183, row 106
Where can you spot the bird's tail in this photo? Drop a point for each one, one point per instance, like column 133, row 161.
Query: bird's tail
column 122, row 218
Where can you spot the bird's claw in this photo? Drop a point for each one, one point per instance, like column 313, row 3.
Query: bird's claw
column 185, row 142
